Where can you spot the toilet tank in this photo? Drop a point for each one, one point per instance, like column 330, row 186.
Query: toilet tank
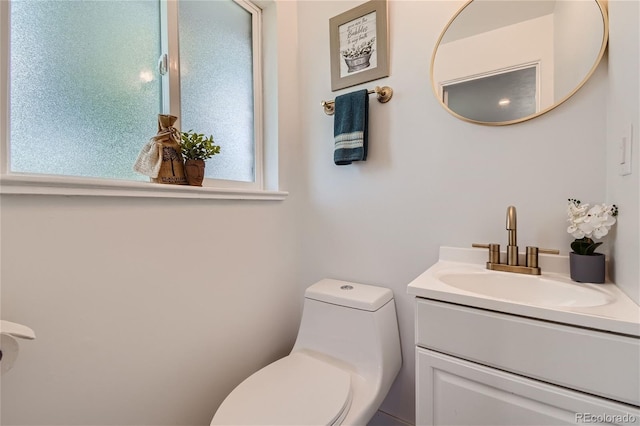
column 355, row 324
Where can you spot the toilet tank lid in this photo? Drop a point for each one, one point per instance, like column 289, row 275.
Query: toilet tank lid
column 349, row 294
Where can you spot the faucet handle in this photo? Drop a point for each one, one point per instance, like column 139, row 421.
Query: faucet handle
column 548, row 251
column 532, row 255
column 494, row 251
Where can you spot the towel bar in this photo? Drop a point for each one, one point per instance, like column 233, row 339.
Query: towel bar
column 384, row 94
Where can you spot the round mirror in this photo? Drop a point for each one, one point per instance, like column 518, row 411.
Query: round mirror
column 501, row 62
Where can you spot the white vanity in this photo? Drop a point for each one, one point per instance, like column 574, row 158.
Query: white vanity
column 498, row 348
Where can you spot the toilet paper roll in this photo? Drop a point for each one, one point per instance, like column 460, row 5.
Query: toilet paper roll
column 10, row 349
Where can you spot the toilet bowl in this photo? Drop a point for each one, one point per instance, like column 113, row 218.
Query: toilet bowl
column 344, row 360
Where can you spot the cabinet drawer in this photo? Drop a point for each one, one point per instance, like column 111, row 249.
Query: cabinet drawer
column 591, row 361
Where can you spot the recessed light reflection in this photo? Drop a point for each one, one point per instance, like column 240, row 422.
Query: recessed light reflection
column 504, row 102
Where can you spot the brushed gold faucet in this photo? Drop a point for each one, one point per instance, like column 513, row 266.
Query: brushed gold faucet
column 531, row 257
column 512, row 247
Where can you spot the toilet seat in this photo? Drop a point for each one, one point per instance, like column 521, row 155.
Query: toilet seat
column 295, row 390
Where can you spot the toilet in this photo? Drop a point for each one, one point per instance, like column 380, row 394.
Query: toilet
column 344, row 360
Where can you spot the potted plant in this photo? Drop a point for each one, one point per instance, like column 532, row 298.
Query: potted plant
column 587, row 223
column 195, row 149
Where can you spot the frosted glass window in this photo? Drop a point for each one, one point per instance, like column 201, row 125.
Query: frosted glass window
column 84, row 92
column 216, row 83
column 497, row 98
column 85, row 89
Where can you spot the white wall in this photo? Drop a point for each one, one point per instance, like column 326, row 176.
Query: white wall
column 433, row 180
column 140, row 320
column 623, row 111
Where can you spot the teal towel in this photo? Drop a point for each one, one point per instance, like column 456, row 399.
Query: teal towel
column 350, row 124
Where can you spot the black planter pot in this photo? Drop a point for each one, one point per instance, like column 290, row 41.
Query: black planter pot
column 587, row 268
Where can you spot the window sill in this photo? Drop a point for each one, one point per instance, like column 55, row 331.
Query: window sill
column 54, row 185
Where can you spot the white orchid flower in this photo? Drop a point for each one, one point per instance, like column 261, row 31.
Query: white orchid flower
column 585, row 221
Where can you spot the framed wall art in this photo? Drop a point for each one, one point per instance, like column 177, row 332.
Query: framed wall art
column 359, row 45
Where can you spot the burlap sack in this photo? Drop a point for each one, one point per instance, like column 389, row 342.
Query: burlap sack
column 168, row 140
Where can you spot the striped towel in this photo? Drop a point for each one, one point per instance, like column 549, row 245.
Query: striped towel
column 350, row 124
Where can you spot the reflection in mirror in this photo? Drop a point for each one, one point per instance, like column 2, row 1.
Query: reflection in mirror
column 505, row 61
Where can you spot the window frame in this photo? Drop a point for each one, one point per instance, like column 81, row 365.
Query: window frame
column 22, row 183
column 442, row 86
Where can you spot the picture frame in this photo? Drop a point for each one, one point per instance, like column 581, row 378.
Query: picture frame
column 359, row 45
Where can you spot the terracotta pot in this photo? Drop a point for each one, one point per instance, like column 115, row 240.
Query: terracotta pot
column 586, row 268
column 194, row 170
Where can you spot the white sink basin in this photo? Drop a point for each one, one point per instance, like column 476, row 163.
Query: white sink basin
column 460, row 277
column 530, row 289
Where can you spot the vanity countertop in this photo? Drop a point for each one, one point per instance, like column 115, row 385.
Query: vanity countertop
column 619, row 315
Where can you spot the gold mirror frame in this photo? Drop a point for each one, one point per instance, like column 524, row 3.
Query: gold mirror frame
column 602, row 6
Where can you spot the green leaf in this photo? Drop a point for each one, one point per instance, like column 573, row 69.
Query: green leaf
column 584, row 246
column 196, row 146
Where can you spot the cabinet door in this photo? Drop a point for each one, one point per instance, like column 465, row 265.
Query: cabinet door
column 451, row 391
